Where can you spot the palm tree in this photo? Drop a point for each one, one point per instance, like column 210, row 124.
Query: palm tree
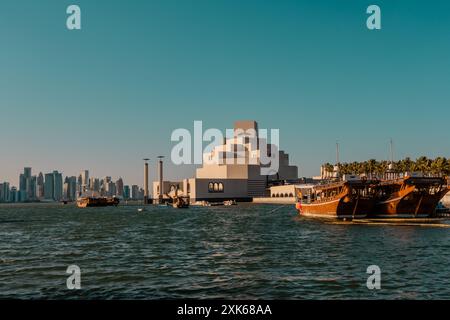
column 408, row 164
column 423, row 164
column 344, row 168
column 371, row 166
column 446, row 167
column 437, row 166
column 328, row 168
column 355, row 167
column 381, row 168
column 365, row 167
column 400, row 167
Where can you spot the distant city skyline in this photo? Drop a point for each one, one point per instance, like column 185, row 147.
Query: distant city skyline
column 15, row 177
column 108, row 95
column 55, row 186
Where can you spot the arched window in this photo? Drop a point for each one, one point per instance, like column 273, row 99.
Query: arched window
column 211, row 187
column 273, row 195
column 282, row 195
column 220, row 187
column 286, row 195
column 216, row 187
column 291, row 195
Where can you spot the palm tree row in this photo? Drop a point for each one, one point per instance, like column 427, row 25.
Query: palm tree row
column 436, row 167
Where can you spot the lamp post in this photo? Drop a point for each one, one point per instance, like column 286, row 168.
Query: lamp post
column 146, row 180
column 161, row 182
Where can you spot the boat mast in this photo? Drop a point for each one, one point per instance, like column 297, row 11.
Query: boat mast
column 391, row 172
column 336, row 167
column 337, row 153
column 161, row 180
column 392, row 151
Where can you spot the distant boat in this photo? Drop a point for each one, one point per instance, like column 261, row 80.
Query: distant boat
column 97, row 202
column 229, row 203
column 180, row 203
column 177, row 201
column 205, row 204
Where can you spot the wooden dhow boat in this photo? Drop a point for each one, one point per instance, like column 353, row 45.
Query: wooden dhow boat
column 348, row 199
column 409, row 198
column 85, row 202
column 412, row 196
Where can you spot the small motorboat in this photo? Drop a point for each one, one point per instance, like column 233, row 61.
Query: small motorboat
column 229, row 203
column 205, row 204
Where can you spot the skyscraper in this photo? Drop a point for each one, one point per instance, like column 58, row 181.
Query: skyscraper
column 94, row 185
column 58, row 192
column 27, row 185
column 31, row 188
column 53, row 186
column 126, row 192
column 27, row 172
column 4, row 192
column 49, row 186
column 14, row 195
column 70, row 188
column 40, row 186
column 111, row 189
column 119, row 187
column 22, row 187
column 84, row 181
column 80, row 185
column 135, row 195
column 105, row 187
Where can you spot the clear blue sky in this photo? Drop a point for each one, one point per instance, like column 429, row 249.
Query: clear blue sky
column 104, row 97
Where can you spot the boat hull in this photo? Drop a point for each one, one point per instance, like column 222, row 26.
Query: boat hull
column 97, row 202
column 393, row 204
column 413, row 198
column 344, row 208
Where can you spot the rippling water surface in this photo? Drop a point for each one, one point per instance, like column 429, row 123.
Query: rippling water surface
column 241, row 252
